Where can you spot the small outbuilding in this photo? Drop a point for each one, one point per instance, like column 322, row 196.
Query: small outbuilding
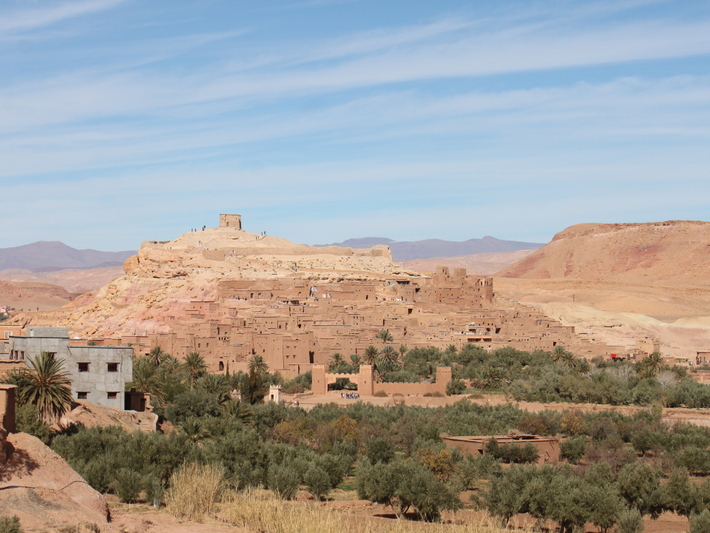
column 548, row 448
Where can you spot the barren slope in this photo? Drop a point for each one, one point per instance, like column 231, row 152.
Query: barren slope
column 32, row 295
column 621, row 282
column 73, row 280
column 675, row 253
column 44, row 491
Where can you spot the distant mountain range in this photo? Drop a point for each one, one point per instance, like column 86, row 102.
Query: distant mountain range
column 48, row 256
column 428, row 248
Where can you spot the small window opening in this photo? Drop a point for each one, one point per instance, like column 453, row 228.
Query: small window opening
column 112, row 367
column 82, row 395
column 83, row 367
column 112, row 395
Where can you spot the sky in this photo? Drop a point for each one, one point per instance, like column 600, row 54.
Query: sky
column 322, row 120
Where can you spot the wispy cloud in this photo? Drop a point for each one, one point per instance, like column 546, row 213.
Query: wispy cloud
column 467, row 116
column 30, row 19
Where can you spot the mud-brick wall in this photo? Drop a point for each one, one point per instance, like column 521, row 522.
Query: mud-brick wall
column 443, row 377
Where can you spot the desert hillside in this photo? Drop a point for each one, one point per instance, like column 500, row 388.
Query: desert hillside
column 29, row 296
column 75, row 280
column 622, row 282
column 675, row 253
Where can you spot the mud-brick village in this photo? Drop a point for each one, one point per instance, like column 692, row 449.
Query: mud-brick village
column 325, row 266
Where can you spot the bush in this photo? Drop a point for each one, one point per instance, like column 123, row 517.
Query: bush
column 455, row 386
column 630, row 521
column 28, row 421
column 10, row 524
column 700, row 523
column 127, row 485
column 379, row 450
column 380, row 394
column 284, row 480
column 194, row 491
column 435, row 394
column 317, row 481
column 573, row 449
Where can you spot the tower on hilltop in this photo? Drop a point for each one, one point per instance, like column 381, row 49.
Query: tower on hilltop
column 230, row 221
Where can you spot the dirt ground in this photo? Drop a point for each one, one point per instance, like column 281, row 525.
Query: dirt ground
column 140, row 518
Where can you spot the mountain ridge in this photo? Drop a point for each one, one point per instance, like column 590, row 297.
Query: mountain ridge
column 44, row 256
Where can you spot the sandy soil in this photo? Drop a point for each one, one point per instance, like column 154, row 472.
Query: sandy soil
column 620, row 313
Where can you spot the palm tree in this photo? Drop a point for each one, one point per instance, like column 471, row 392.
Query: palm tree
column 336, row 360
column 355, row 359
column 653, row 363
column 195, row 366
column 143, row 375
column 194, row 429
column 568, row 360
column 45, row 385
column 403, row 350
column 385, row 335
column 239, row 410
column 157, row 355
column 390, row 357
column 217, row 385
column 370, row 356
column 558, row 353
column 257, row 365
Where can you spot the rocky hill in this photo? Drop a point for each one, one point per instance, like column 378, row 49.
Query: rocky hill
column 164, row 277
column 667, row 253
column 46, row 494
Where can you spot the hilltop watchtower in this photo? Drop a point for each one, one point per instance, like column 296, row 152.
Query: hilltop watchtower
column 230, row 221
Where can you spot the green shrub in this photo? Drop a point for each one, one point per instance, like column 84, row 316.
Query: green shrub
column 10, row 524
column 317, row 481
column 700, row 523
column 455, row 386
column 573, row 449
column 28, row 421
column 379, row 450
column 630, row 521
column 284, row 481
column 127, row 484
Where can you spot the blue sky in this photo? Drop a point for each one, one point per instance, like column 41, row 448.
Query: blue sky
column 318, row 120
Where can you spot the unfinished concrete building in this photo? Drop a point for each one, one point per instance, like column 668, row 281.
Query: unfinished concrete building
column 98, row 373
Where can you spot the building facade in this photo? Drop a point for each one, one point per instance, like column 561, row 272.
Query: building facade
column 98, row 373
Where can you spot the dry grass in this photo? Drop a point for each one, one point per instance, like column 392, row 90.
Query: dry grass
column 261, row 511
column 194, row 491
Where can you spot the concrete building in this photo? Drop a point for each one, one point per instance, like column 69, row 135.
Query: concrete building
column 98, row 373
